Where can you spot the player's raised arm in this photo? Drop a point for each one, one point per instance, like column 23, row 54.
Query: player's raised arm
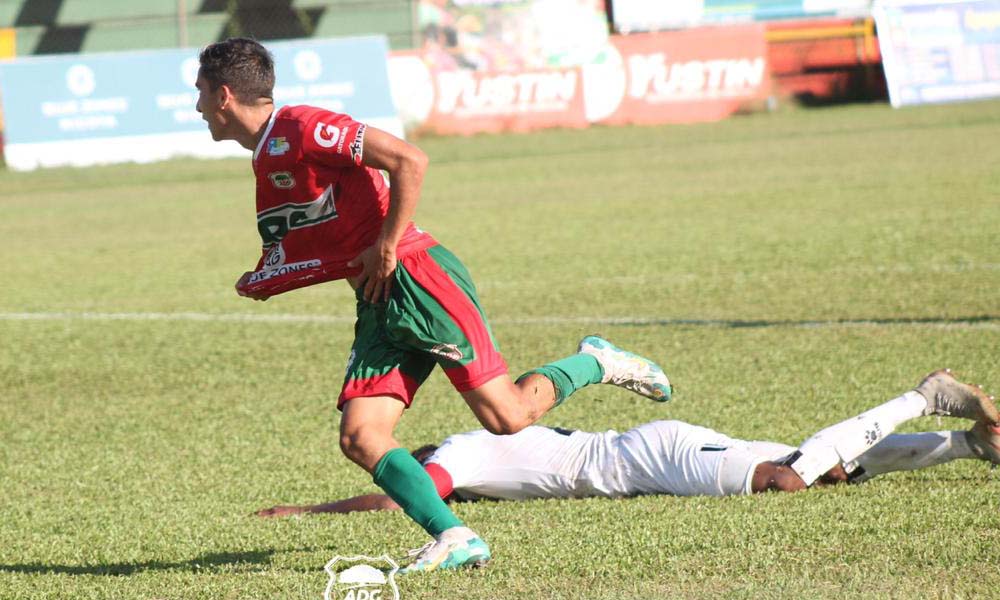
column 405, row 164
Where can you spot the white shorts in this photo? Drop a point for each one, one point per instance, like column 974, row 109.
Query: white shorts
column 672, row 457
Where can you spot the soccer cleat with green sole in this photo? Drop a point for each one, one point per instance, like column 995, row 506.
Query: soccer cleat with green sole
column 627, row 370
column 455, row 548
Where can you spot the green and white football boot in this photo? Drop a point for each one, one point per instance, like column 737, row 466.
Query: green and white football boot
column 627, row 370
column 455, row 548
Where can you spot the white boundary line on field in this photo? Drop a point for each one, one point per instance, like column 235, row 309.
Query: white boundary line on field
column 962, row 323
column 177, row 316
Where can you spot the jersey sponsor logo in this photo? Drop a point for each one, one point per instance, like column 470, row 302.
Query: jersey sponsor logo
column 295, row 267
column 325, row 135
column 282, row 180
column 274, row 265
column 277, row 146
column 448, row 351
column 275, row 257
column 343, row 138
column 275, row 223
column 357, row 146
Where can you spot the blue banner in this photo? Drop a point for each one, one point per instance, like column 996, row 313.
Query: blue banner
column 939, row 51
column 97, row 108
column 648, row 15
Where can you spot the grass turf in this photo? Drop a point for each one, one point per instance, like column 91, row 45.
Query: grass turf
column 787, row 269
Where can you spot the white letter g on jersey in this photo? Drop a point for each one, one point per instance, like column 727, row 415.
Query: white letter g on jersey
column 326, row 135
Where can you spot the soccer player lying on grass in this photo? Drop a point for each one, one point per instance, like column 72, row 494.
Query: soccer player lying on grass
column 326, row 211
column 676, row 458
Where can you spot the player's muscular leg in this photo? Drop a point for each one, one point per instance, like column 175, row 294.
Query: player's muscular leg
column 366, row 427
column 504, row 407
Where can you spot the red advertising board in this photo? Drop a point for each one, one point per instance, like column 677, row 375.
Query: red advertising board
column 670, row 77
column 464, row 101
column 508, row 101
column 683, row 76
column 472, row 101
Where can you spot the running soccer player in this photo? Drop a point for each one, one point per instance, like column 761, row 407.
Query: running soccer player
column 676, row 458
column 324, row 212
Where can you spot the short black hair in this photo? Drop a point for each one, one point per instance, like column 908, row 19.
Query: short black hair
column 424, row 452
column 242, row 64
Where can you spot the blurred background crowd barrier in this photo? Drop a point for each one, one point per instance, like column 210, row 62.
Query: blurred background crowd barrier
column 468, row 66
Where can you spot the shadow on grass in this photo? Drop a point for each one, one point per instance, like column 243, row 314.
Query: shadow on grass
column 206, row 563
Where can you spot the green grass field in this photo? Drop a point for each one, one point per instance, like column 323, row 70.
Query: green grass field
column 788, row 270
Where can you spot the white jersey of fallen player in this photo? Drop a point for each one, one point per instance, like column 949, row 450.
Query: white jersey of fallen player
column 536, row 462
column 662, row 457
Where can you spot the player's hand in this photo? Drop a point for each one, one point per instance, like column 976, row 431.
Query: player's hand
column 242, row 283
column 378, row 263
column 280, row 511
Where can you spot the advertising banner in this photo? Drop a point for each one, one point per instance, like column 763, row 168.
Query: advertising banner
column 499, row 65
column 465, row 101
column 644, row 15
column 939, row 51
column 103, row 108
column 683, row 76
column 671, row 77
column 8, row 43
column 512, row 35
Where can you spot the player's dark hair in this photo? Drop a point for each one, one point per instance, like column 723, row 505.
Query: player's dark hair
column 242, row 64
column 424, row 452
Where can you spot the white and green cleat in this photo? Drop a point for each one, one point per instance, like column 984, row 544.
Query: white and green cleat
column 627, row 370
column 455, row 548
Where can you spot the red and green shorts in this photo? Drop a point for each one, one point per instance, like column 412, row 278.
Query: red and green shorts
column 432, row 318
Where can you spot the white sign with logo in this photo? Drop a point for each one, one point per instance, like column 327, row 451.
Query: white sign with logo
column 361, row 578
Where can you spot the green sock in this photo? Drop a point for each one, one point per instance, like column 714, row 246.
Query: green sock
column 569, row 374
column 406, row 482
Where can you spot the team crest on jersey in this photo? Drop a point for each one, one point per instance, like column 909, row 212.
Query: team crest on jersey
column 277, row 146
column 282, row 180
column 275, row 223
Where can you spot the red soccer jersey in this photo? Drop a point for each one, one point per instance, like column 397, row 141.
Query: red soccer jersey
column 318, row 206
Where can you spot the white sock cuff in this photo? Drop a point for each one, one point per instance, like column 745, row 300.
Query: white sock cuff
column 917, row 399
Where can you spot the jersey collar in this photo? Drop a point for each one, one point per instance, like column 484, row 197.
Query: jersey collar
column 267, row 132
